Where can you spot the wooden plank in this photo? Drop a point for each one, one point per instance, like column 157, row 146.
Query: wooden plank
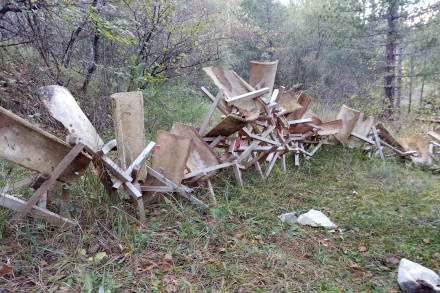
column 377, row 141
column 248, row 96
column 237, row 173
column 211, row 192
column 304, row 120
column 208, row 170
column 108, row 147
column 434, row 134
column 136, row 163
column 201, row 155
column 386, row 136
column 364, row 138
column 169, row 158
column 349, row 119
column 416, row 143
column 128, row 117
column 271, row 164
column 62, row 106
column 31, row 147
column 164, row 189
column 16, row 204
column 212, row 99
column 304, row 101
column 161, row 178
column 330, row 128
column 262, row 74
column 59, row 169
column 362, row 127
column 229, row 125
column 288, row 101
column 211, row 112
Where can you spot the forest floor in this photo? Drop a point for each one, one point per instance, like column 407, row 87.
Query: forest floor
column 385, row 211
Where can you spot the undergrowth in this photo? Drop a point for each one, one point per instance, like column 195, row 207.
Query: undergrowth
column 385, row 211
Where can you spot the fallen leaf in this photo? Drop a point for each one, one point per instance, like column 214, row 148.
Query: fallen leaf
column 427, row 240
column 362, row 248
column 168, row 257
column 392, row 260
column 353, row 265
column 166, row 267
column 98, row 257
column 6, row 269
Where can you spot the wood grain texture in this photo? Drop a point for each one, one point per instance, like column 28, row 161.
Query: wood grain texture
column 35, row 149
column 62, row 106
column 128, row 117
column 349, row 118
column 201, row 155
column 229, row 125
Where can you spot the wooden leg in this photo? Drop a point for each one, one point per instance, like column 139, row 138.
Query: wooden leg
column 211, row 192
column 377, row 140
column 59, row 169
column 237, row 173
column 271, row 164
column 283, row 163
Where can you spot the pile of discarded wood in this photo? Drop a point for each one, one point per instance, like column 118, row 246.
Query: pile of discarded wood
column 259, row 124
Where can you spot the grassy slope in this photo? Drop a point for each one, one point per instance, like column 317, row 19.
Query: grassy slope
column 389, row 210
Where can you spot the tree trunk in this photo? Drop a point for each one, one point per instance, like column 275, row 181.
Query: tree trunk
column 399, row 77
column 423, row 82
column 390, row 74
column 411, row 72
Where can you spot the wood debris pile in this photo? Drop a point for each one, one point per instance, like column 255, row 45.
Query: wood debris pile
column 259, row 124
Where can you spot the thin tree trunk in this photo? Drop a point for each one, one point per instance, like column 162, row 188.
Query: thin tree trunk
column 423, row 82
column 411, row 72
column 390, row 74
column 399, row 77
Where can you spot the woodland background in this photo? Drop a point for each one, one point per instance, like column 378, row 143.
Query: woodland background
column 382, row 56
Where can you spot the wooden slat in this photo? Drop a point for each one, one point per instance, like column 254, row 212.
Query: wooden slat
column 31, row 147
column 62, row 106
column 246, row 96
column 210, row 112
column 13, row 203
column 59, row 169
column 128, row 117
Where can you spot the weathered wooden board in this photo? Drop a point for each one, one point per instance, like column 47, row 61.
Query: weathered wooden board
column 435, row 135
column 330, row 128
column 171, row 156
column 63, row 107
column 128, row 117
column 262, row 74
column 232, row 87
column 229, row 125
column 304, row 127
column 416, row 143
column 362, row 127
column 288, row 101
column 17, row 204
column 35, row 149
column 386, row 136
column 169, row 159
column 349, row 118
column 200, row 156
column 304, row 101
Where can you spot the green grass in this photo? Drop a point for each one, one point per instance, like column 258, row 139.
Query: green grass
column 240, row 246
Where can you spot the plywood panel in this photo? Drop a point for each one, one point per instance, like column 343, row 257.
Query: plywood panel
column 227, row 126
column 232, row 87
column 201, row 156
column 35, row 149
column 262, row 74
column 386, row 136
column 63, row 107
column 362, row 127
column 416, row 143
column 128, row 117
column 288, row 101
column 349, row 118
